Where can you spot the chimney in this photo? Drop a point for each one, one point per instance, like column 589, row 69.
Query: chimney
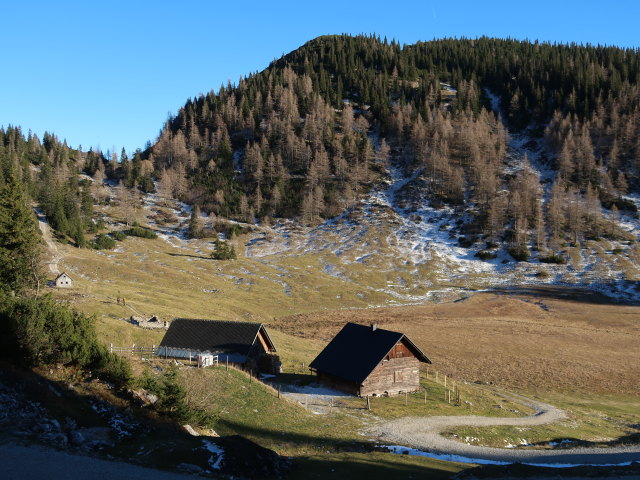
column 374, row 327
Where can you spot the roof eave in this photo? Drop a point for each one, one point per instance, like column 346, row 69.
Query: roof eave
column 424, row 359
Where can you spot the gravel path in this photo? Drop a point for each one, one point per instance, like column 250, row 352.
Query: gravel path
column 424, row 433
column 54, row 253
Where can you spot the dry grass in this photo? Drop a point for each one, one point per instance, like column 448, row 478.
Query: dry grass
column 521, row 341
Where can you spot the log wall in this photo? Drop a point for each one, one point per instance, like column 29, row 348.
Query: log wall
column 393, row 376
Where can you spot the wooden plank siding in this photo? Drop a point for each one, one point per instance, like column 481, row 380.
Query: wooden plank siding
column 392, row 376
column 367, row 361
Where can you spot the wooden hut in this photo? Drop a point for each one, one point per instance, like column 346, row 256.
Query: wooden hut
column 366, row 360
column 243, row 344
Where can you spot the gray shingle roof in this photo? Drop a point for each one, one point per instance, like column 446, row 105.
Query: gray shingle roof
column 358, row 349
column 215, row 335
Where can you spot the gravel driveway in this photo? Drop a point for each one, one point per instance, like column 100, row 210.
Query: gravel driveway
column 424, row 433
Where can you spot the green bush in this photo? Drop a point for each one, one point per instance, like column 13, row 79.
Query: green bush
column 223, row 251
column 555, row 258
column 486, row 255
column 520, row 253
column 103, row 242
column 466, row 242
column 137, row 231
column 171, row 396
column 119, row 235
column 235, row 230
column 38, row 331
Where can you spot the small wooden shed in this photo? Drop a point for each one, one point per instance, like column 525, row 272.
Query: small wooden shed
column 64, row 281
column 244, row 344
column 366, row 360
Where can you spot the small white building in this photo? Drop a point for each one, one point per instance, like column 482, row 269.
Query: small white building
column 64, row 281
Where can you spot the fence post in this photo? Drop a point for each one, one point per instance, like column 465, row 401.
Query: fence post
column 368, row 403
column 425, row 395
column 111, row 348
column 133, row 347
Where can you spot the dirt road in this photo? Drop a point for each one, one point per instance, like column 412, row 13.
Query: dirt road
column 424, row 433
column 54, row 254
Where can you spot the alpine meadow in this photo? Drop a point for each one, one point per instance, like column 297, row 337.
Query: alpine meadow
column 470, row 204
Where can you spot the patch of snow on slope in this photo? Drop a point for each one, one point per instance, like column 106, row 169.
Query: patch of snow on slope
column 215, row 461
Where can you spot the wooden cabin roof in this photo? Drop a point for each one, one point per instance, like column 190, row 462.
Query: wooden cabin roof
column 358, row 349
column 215, row 335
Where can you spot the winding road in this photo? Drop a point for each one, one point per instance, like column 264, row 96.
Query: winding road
column 425, row 434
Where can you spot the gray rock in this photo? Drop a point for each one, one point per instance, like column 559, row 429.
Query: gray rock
column 77, row 438
column 94, row 437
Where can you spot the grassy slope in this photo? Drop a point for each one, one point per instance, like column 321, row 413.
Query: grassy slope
column 490, row 339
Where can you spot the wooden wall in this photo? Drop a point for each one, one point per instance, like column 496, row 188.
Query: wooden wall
column 339, row 383
column 393, row 376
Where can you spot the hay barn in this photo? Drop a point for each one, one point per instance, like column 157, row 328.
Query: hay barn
column 365, row 361
column 243, row 344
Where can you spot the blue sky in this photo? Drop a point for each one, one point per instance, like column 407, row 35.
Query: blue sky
column 106, row 73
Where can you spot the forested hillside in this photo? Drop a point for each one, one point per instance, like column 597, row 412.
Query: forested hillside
column 307, row 137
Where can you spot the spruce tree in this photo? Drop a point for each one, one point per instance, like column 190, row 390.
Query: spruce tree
column 194, row 230
column 20, row 241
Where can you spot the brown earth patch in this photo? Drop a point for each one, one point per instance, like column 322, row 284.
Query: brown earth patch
column 520, row 340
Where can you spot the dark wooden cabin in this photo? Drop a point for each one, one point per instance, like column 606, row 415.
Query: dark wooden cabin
column 244, row 344
column 365, row 361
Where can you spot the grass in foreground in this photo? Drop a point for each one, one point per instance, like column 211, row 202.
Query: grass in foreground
column 244, row 406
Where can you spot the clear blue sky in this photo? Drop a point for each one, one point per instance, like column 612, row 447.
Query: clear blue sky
column 107, row 73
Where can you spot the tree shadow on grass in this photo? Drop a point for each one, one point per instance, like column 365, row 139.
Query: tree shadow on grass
column 188, row 255
column 342, row 458
column 572, row 294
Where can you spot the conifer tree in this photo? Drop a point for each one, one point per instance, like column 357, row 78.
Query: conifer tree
column 20, row 247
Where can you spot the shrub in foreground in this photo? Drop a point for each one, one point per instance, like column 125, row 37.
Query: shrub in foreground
column 39, row 331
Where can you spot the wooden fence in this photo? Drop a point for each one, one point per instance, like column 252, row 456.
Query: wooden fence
column 134, row 350
column 140, row 351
